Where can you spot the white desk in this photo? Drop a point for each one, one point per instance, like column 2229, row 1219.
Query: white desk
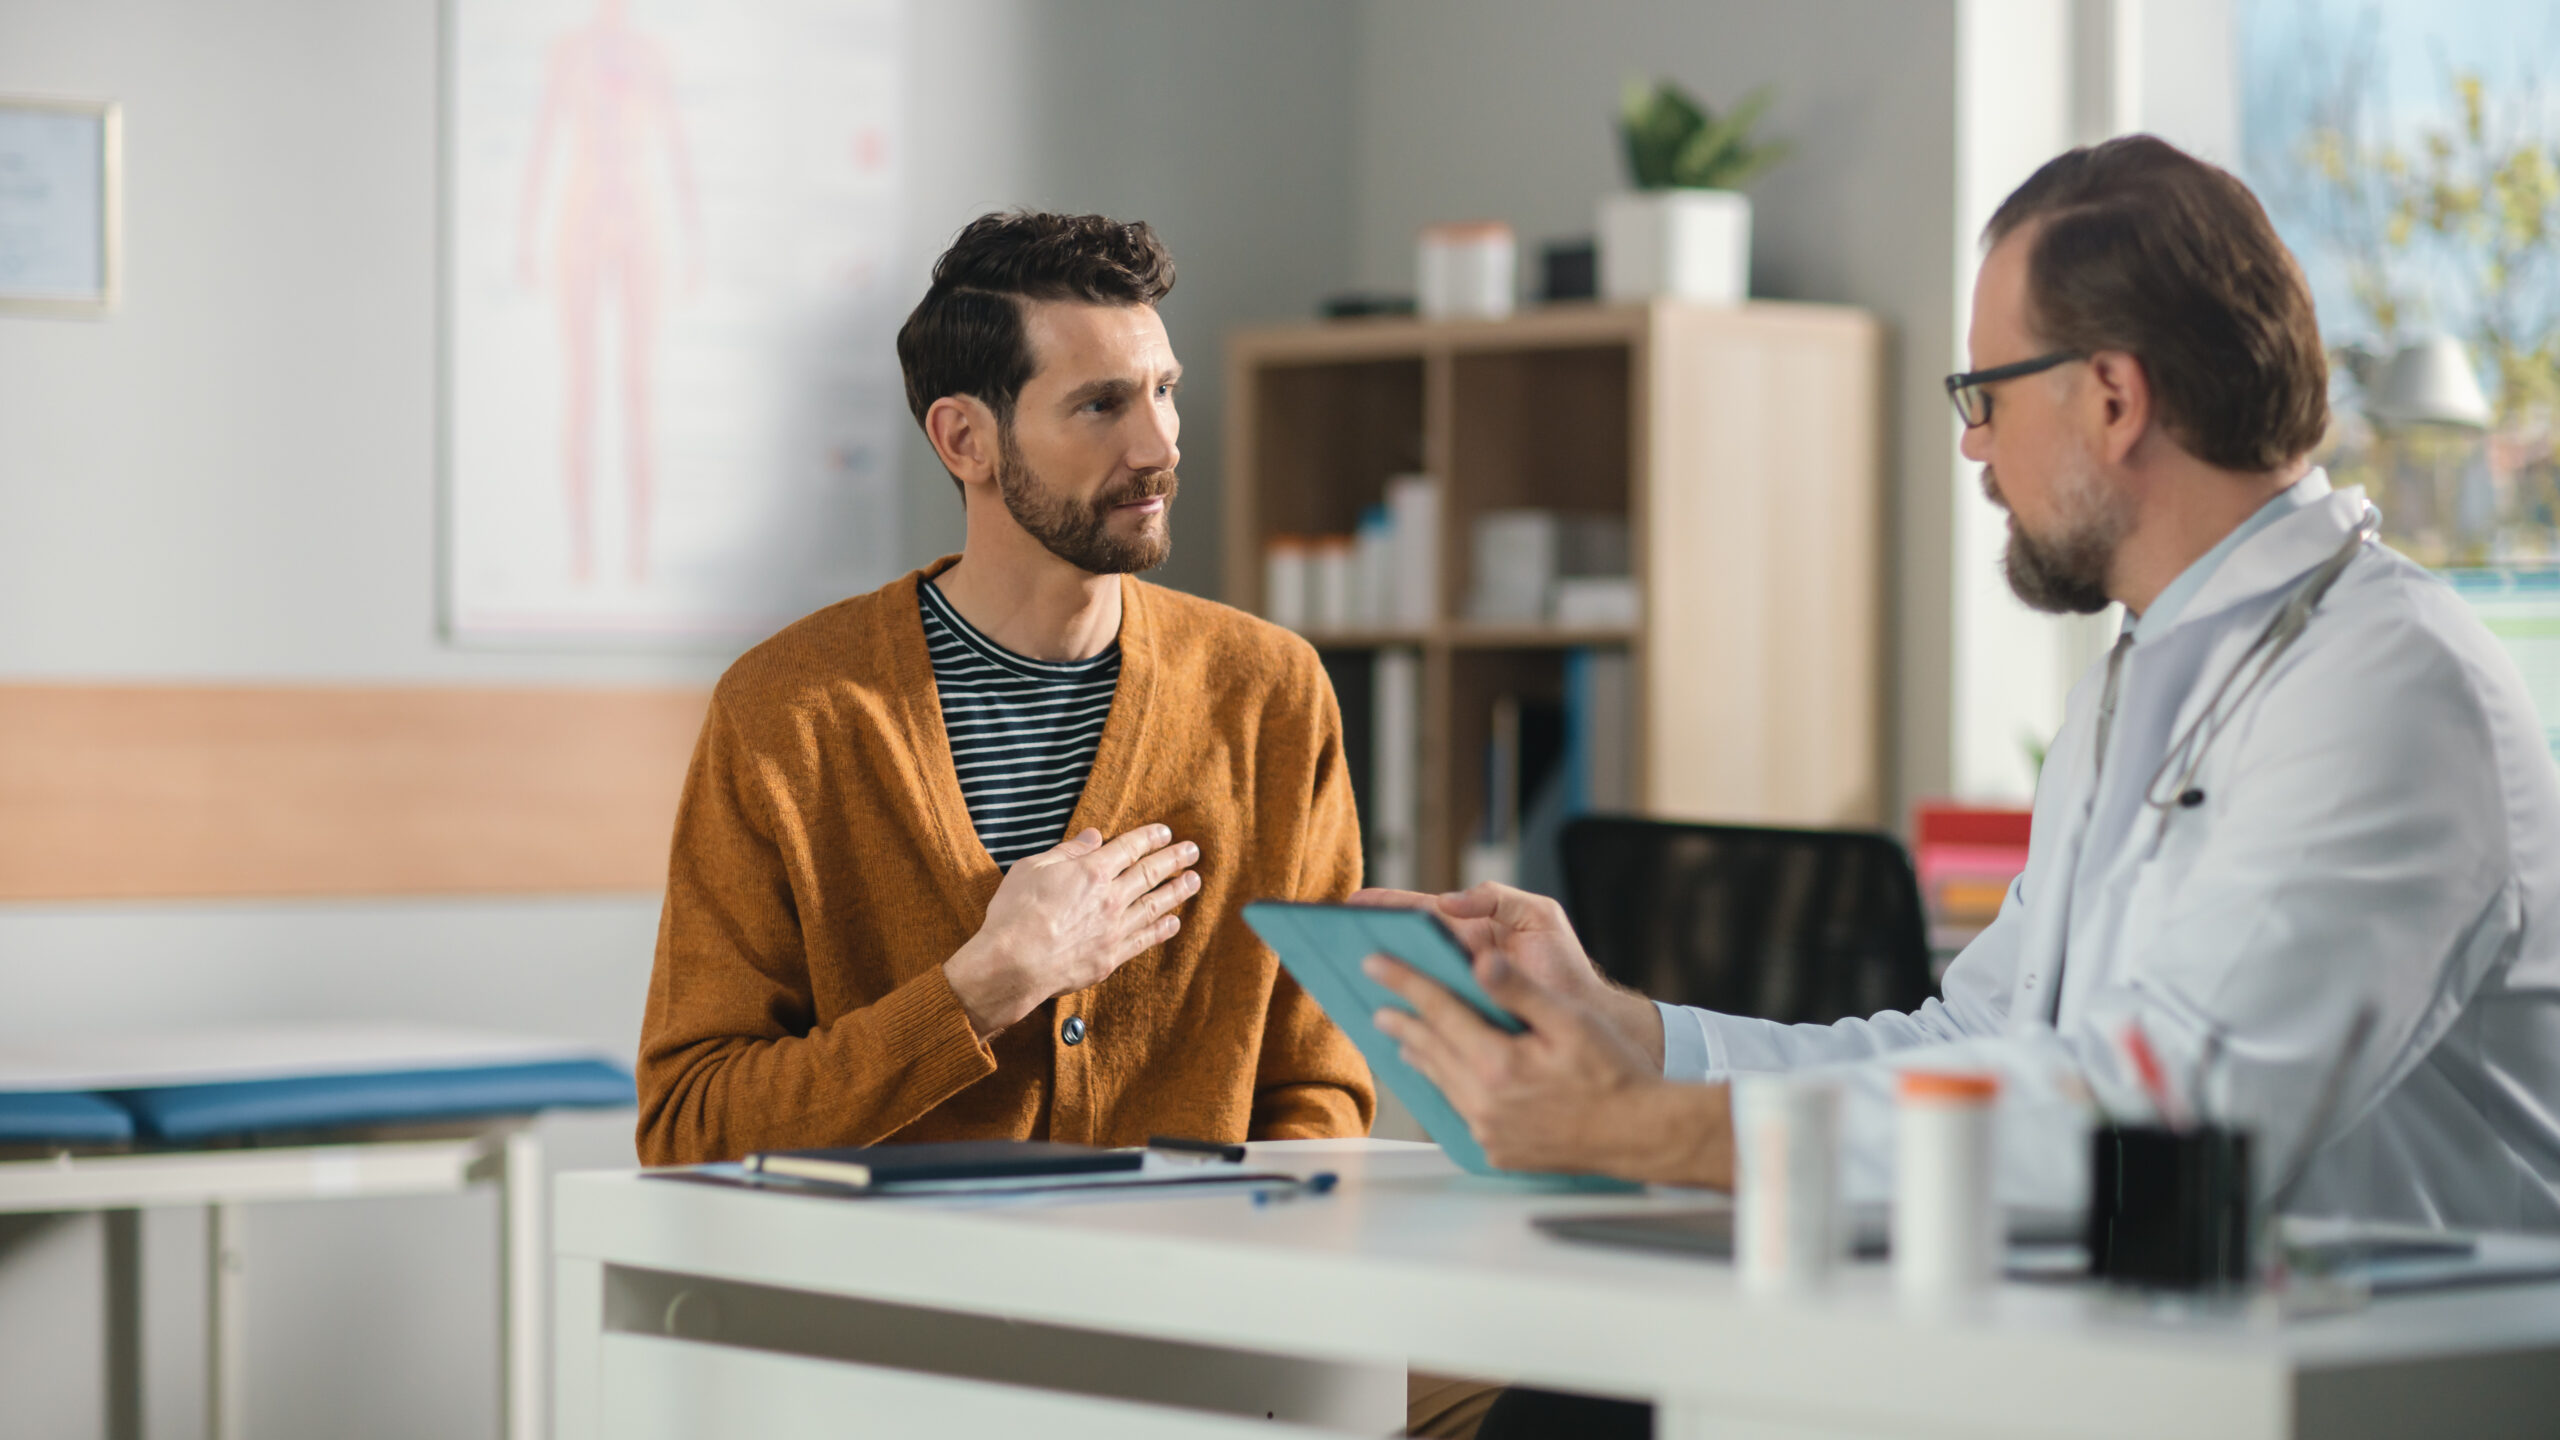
column 508, row 1154
column 923, row 1318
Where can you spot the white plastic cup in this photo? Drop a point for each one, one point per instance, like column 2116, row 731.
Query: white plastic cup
column 1334, row 564
column 1284, row 582
column 1788, row 1231
column 1947, row 1229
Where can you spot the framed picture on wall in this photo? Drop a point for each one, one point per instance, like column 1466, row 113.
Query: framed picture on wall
column 60, row 206
column 671, row 405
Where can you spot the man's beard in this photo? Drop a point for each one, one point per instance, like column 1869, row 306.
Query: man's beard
column 2066, row 574
column 1079, row 531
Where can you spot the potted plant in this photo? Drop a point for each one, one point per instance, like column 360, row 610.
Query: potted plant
column 1685, row 230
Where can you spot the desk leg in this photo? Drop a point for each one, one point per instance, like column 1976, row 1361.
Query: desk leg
column 124, row 1324
column 577, row 1347
column 226, row 1322
column 521, row 1280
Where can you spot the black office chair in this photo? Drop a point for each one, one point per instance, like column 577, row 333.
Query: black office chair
column 1790, row 925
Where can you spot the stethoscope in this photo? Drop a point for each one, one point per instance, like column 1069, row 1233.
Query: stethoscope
column 2186, row 758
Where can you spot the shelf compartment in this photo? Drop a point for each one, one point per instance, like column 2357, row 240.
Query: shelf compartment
column 1538, row 429
column 1324, row 440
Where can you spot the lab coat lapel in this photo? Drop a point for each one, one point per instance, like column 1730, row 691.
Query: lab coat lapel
column 2060, row 828
column 2178, row 671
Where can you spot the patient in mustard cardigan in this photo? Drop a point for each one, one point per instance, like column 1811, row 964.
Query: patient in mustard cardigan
column 962, row 858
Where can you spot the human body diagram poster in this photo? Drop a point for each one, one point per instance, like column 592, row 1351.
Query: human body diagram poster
column 671, row 401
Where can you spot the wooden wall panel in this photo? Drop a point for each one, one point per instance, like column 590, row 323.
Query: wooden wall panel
column 130, row 792
column 1764, row 565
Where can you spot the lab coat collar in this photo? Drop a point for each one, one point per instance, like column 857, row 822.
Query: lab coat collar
column 2165, row 607
column 2277, row 555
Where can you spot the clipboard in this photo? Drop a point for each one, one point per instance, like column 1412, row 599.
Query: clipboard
column 1322, row 947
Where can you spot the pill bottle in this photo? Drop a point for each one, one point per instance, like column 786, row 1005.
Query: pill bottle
column 1788, row 1231
column 1947, row 1230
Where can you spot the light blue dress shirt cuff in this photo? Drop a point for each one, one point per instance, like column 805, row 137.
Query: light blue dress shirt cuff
column 1685, row 1053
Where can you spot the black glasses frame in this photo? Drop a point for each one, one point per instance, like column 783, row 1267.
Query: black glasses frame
column 1973, row 403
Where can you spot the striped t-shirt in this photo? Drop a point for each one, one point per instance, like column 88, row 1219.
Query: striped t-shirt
column 1023, row 732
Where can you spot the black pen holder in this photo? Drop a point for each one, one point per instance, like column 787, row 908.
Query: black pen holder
column 2169, row 1209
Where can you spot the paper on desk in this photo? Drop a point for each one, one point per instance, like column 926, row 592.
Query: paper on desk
column 210, row 1055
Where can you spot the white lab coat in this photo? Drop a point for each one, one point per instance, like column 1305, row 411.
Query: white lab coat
column 2380, row 822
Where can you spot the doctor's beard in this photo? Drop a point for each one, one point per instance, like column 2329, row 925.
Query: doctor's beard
column 2066, row 573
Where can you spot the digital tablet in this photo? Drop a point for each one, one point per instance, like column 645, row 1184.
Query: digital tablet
column 1322, row 947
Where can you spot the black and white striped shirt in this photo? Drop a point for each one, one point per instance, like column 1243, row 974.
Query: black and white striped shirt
column 1023, row 732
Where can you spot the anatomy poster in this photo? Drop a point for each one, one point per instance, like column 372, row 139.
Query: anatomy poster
column 672, row 403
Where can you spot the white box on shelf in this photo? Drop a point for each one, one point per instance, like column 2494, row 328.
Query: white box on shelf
column 1514, row 566
column 1598, row 601
column 1284, row 582
column 1469, row 269
column 1334, row 592
column 1676, row 244
column 1413, row 509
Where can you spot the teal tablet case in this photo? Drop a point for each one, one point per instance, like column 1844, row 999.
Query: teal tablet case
column 1323, row 945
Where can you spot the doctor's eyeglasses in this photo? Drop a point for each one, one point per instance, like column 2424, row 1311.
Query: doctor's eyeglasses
column 1973, row 402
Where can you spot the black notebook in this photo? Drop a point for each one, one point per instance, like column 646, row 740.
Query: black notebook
column 873, row 1166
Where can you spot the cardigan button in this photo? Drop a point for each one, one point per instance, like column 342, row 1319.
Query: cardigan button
column 1073, row 1031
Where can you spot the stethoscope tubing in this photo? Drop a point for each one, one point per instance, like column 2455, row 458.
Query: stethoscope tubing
column 2187, row 756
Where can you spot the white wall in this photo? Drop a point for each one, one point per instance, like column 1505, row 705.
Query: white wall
column 232, row 480
column 2010, row 666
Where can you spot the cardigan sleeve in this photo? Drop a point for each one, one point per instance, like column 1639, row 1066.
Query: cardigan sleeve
column 1311, row 1083
column 730, row 1059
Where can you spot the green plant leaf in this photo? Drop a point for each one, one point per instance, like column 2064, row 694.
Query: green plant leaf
column 1710, row 158
column 1655, row 120
column 1751, row 166
column 1674, row 141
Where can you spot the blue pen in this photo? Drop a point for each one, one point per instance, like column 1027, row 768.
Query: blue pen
column 1320, row 1183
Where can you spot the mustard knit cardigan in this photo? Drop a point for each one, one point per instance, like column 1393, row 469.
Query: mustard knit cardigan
column 824, row 866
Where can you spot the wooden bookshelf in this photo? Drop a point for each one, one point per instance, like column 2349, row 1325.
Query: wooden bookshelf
column 1744, row 447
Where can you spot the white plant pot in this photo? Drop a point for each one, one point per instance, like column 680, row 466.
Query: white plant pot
column 1676, row 244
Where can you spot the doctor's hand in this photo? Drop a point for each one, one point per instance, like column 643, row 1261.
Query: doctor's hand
column 1533, row 935
column 1569, row 1093
column 1064, row 919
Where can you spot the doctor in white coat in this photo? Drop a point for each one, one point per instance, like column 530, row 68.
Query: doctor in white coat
column 2305, row 787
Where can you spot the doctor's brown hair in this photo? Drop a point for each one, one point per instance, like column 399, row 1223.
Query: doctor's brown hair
column 2143, row 248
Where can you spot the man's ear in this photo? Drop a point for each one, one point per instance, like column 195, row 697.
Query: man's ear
column 963, row 432
column 2123, row 399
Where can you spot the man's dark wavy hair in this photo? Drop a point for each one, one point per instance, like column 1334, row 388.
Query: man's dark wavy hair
column 2144, row 248
column 966, row 336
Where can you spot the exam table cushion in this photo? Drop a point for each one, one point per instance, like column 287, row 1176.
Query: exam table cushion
column 183, row 1113
column 62, row 1117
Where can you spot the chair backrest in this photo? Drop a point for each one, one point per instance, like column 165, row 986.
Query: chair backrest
column 1801, row 926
